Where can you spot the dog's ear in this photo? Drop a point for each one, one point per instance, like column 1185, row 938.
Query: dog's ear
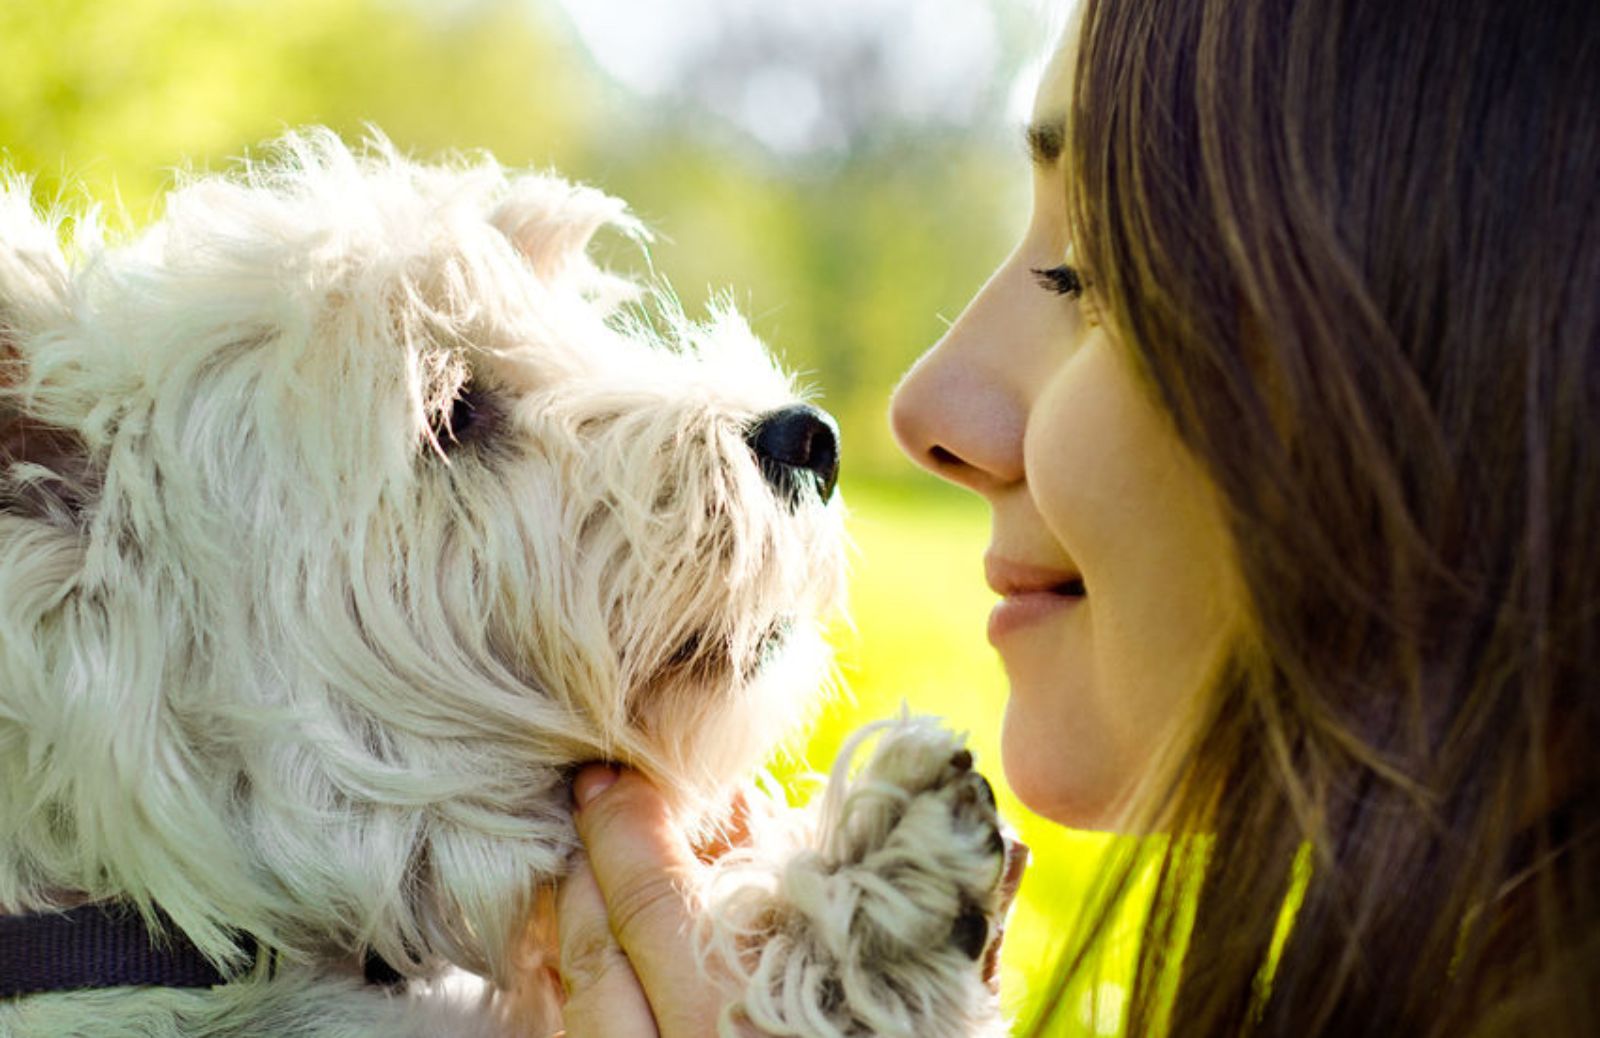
column 551, row 223
column 33, row 271
column 44, row 469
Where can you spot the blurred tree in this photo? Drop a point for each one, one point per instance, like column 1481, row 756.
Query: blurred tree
column 110, row 94
column 823, row 76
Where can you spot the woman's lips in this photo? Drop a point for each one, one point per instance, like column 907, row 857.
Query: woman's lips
column 1028, row 594
column 1023, row 610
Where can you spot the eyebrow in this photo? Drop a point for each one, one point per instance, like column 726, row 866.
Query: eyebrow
column 1046, row 139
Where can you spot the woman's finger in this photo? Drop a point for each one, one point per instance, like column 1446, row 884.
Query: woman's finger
column 644, row 870
column 603, row 996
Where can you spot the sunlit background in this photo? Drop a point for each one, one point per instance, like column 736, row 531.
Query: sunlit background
column 848, row 170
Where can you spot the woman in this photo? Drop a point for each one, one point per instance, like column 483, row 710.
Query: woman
column 1287, row 408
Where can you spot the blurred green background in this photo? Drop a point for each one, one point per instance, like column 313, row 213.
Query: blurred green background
column 849, row 170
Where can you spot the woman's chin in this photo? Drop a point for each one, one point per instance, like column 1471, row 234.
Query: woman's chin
column 1064, row 780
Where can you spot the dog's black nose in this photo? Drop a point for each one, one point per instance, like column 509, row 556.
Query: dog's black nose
column 796, row 445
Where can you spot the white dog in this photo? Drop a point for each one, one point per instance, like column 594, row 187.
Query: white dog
column 342, row 513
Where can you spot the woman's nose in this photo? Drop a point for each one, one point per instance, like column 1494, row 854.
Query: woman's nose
column 956, row 412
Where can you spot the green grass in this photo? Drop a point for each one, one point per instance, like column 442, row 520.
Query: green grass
column 919, row 606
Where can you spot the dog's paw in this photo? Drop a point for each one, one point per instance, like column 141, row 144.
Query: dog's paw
column 918, row 836
column 888, row 923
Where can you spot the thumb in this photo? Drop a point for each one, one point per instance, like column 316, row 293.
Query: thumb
column 645, row 871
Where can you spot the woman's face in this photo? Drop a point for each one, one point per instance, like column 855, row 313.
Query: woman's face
column 1109, row 549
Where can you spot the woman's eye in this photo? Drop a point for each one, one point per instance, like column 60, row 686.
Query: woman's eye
column 1062, row 280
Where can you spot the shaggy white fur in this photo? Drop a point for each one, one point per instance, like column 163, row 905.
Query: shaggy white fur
column 342, row 513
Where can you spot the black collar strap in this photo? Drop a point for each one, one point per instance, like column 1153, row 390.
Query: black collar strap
column 96, row 946
column 109, row 946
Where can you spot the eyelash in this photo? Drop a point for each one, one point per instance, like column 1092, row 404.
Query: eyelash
column 1062, row 280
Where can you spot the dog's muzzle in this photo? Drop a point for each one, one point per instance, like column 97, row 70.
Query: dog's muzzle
column 797, row 447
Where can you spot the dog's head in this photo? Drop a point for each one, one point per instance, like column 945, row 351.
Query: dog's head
column 342, row 512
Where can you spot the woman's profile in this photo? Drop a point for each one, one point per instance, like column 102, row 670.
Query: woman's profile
column 1287, row 410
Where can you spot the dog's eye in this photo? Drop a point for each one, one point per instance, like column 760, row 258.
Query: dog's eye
column 466, row 420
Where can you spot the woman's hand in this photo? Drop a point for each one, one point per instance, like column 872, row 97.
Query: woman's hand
column 626, row 916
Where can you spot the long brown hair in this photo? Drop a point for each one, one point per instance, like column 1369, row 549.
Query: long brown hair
column 1355, row 247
